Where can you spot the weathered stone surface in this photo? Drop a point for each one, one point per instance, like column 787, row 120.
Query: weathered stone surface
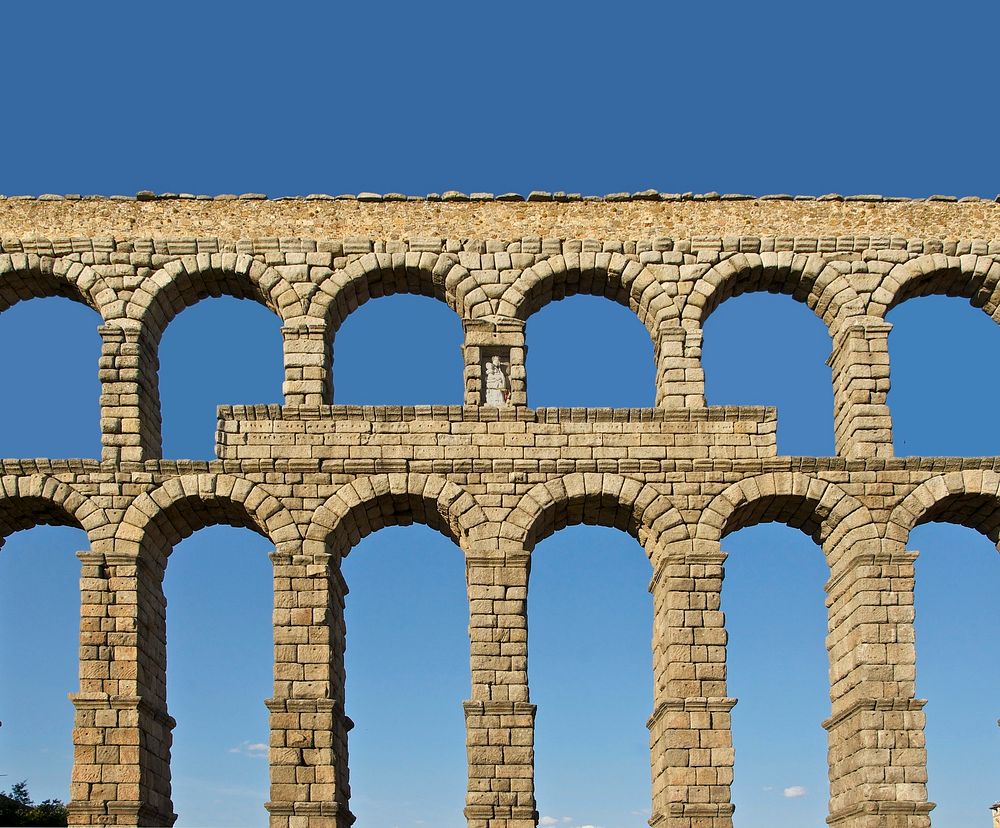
column 493, row 475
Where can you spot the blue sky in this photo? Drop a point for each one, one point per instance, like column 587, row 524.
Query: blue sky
column 758, row 98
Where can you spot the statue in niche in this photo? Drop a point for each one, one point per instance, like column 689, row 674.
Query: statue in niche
column 497, row 384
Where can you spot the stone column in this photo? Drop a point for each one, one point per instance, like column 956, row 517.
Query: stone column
column 485, row 339
column 499, row 719
column 680, row 379
column 308, row 364
column 130, row 396
column 860, row 365
column 309, row 775
column 121, row 733
column 690, row 730
column 877, row 755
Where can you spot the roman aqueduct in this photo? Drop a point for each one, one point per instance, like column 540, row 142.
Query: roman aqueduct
column 314, row 477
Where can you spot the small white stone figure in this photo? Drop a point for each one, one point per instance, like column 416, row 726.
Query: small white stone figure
column 497, row 386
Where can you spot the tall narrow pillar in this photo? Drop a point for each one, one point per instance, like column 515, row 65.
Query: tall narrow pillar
column 130, row 396
column 690, row 730
column 121, row 732
column 308, row 365
column 680, row 379
column 860, row 365
column 492, row 345
column 877, row 754
column 309, row 776
column 499, row 719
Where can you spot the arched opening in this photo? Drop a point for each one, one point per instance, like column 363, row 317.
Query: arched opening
column 399, row 350
column 407, row 668
column 761, row 349
column 777, row 666
column 957, row 576
column 222, row 351
column 51, row 377
column 589, row 351
column 942, row 399
column 590, row 672
column 218, row 585
column 39, row 647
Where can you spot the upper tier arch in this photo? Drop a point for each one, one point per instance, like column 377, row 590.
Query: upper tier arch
column 183, row 282
column 37, row 500
column 368, row 504
column 438, row 275
column 29, row 276
column 613, row 275
column 976, row 278
column 596, row 499
column 969, row 498
column 821, row 509
column 807, row 278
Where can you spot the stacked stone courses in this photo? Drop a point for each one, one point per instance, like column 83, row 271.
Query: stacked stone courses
column 315, row 477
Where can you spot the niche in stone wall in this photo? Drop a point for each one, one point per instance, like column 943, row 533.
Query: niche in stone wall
column 495, row 373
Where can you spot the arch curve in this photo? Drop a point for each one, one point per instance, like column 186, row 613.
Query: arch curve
column 976, row 278
column 368, row 504
column 27, row 276
column 613, row 275
column 187, row 280
column 159, row 519
column 821, row 509
column 969, row 498
column 807, row 278
column 438, row 275
column 596, row 499
column 38, row 500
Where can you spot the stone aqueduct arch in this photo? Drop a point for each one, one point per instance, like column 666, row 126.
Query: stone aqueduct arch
column 679, row 478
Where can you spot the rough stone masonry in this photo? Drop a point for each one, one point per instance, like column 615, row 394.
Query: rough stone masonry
column 496, row 476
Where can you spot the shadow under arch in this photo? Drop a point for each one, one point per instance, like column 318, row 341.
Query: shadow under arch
column 183, row 282
column 976, row 278
column 438, row 275
column 27, row 276
column 594, row 499
column 967, row 498
column 38, row 500
column 612, row 275
column 368, row 504
column 821, row 509
column 807, row 278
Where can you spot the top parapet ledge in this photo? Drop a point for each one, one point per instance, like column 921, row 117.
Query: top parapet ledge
column 533, row 196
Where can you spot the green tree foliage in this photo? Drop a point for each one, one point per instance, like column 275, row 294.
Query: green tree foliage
column 16, row 809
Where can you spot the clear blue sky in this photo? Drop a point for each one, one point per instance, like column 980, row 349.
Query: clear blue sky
column 774, row 97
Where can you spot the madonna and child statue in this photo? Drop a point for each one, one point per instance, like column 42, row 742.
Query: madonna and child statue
column 497, row 384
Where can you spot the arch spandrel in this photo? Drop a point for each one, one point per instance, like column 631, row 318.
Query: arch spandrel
column 437, row 275
column 612, row 275
column 807, row 278
column 968, row 498
column 158, row 520
column 596, row 499
column 368, row 504
column 185, row 281
column 821, row 509
column 30, row 276
column 972, row 277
